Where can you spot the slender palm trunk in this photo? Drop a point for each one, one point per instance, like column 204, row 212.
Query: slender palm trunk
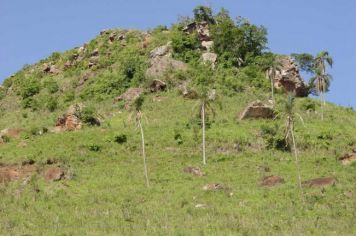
column 143, row 152
column 321, row 105
column 203, row 121
column 272, row 86
column 296, row 159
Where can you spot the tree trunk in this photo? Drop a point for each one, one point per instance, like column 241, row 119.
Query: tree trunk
column 272, row 86
column 321, row 105
column 143, row 152
column 297, row 162
column 203, row 124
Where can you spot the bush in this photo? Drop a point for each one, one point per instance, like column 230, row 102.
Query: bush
column 94, row 147
column 273, row 138
column 120, row 139
column 185, row 47
column 52, row 104
column 29, row 88
column 51, row 85
column 87, row 115
column 30, row 103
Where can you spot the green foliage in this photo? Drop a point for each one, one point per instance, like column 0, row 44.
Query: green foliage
column 185, row 46
column 308, row 105
column 88, row 116
column 30, row 103
column 237, row 44
column 120, row 138
column 305, row 61
column 51, row 85
column 138, row 103
column 52, row 104
column 203, row 13
column 29, row 87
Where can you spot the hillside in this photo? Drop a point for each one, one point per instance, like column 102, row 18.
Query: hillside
column 71, row 159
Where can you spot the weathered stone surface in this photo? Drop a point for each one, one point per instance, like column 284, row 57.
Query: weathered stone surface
column 68, row 64
column 130, row 95
column 289, row 79
column 16, row 172
column 70, row 121
column 257, row 109
column 207, row 45
column 270, row 181
column 157, row 85
column 210, row 57
column 186, row 91
column 159, row 52
column 195, row 171
column 319, row 182
column 348, row 158
column 50, row 69
column 214, row 187
column 11, row 132
column 54, row 174
column 159, row 65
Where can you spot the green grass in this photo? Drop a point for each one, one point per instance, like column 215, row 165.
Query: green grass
column 107, row 195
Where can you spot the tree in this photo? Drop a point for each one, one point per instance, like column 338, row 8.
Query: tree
column 305, row 61
column 138, row 115
column 204, row 81
column 321, row 80
column 203, row 13
column 290, row 137
column 271, row 72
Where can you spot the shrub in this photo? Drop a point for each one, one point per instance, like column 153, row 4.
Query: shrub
column 120, row 139
column 30, row 103
column 185, row 47
column 51, row 85
column 94, row 147
column 52, row 104
column 87, row 115
column 29, row 88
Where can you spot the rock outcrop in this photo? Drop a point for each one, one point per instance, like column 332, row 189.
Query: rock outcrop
column 130, row 95
column 257, row 109
column 270, row 181
column 157, row 85
column 319, row 182
column 210, row 57
column 161, row 62
column 195, row 171
column 288, row 78
column 348, row 158
column 70, row 121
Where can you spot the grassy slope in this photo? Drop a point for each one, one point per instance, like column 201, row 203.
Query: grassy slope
column 108, row 195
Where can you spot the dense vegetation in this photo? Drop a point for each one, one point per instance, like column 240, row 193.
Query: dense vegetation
column 107, row 194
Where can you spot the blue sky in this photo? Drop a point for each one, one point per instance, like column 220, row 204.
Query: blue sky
column 32, row 30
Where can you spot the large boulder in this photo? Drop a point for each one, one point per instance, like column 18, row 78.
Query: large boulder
column 210, row 57
column 130, row 95
column 70, row 121
column 160, row 51
column 257, row 109
column 288, row 78
column 160, row 64
column 157, row 85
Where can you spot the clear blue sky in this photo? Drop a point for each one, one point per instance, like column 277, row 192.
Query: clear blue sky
column 33, row 29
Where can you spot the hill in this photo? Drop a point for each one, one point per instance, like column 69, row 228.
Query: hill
column 71, row 150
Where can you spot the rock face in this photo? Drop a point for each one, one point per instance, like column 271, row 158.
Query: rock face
column 289, row 79
column 16, row 172
column 210, row 57
column 257, row 109
column 348, row 158
column 270, row 181
column 130, row 95
column 320, row 182
column 157, row 86
column 187, row 92
column 161, row 62
column 70, row 121
column 50, row 69
column 54, row 174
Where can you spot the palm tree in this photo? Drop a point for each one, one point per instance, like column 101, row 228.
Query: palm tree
column 206, row 95
column 290, row 138
column 271, row 73
column 138, row 115
column 321, row 80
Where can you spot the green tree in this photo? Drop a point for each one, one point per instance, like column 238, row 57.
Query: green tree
column 321, row 81
column 305, row 61
column 203, row 13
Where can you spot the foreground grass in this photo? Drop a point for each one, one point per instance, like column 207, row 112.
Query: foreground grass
column 107, row 195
